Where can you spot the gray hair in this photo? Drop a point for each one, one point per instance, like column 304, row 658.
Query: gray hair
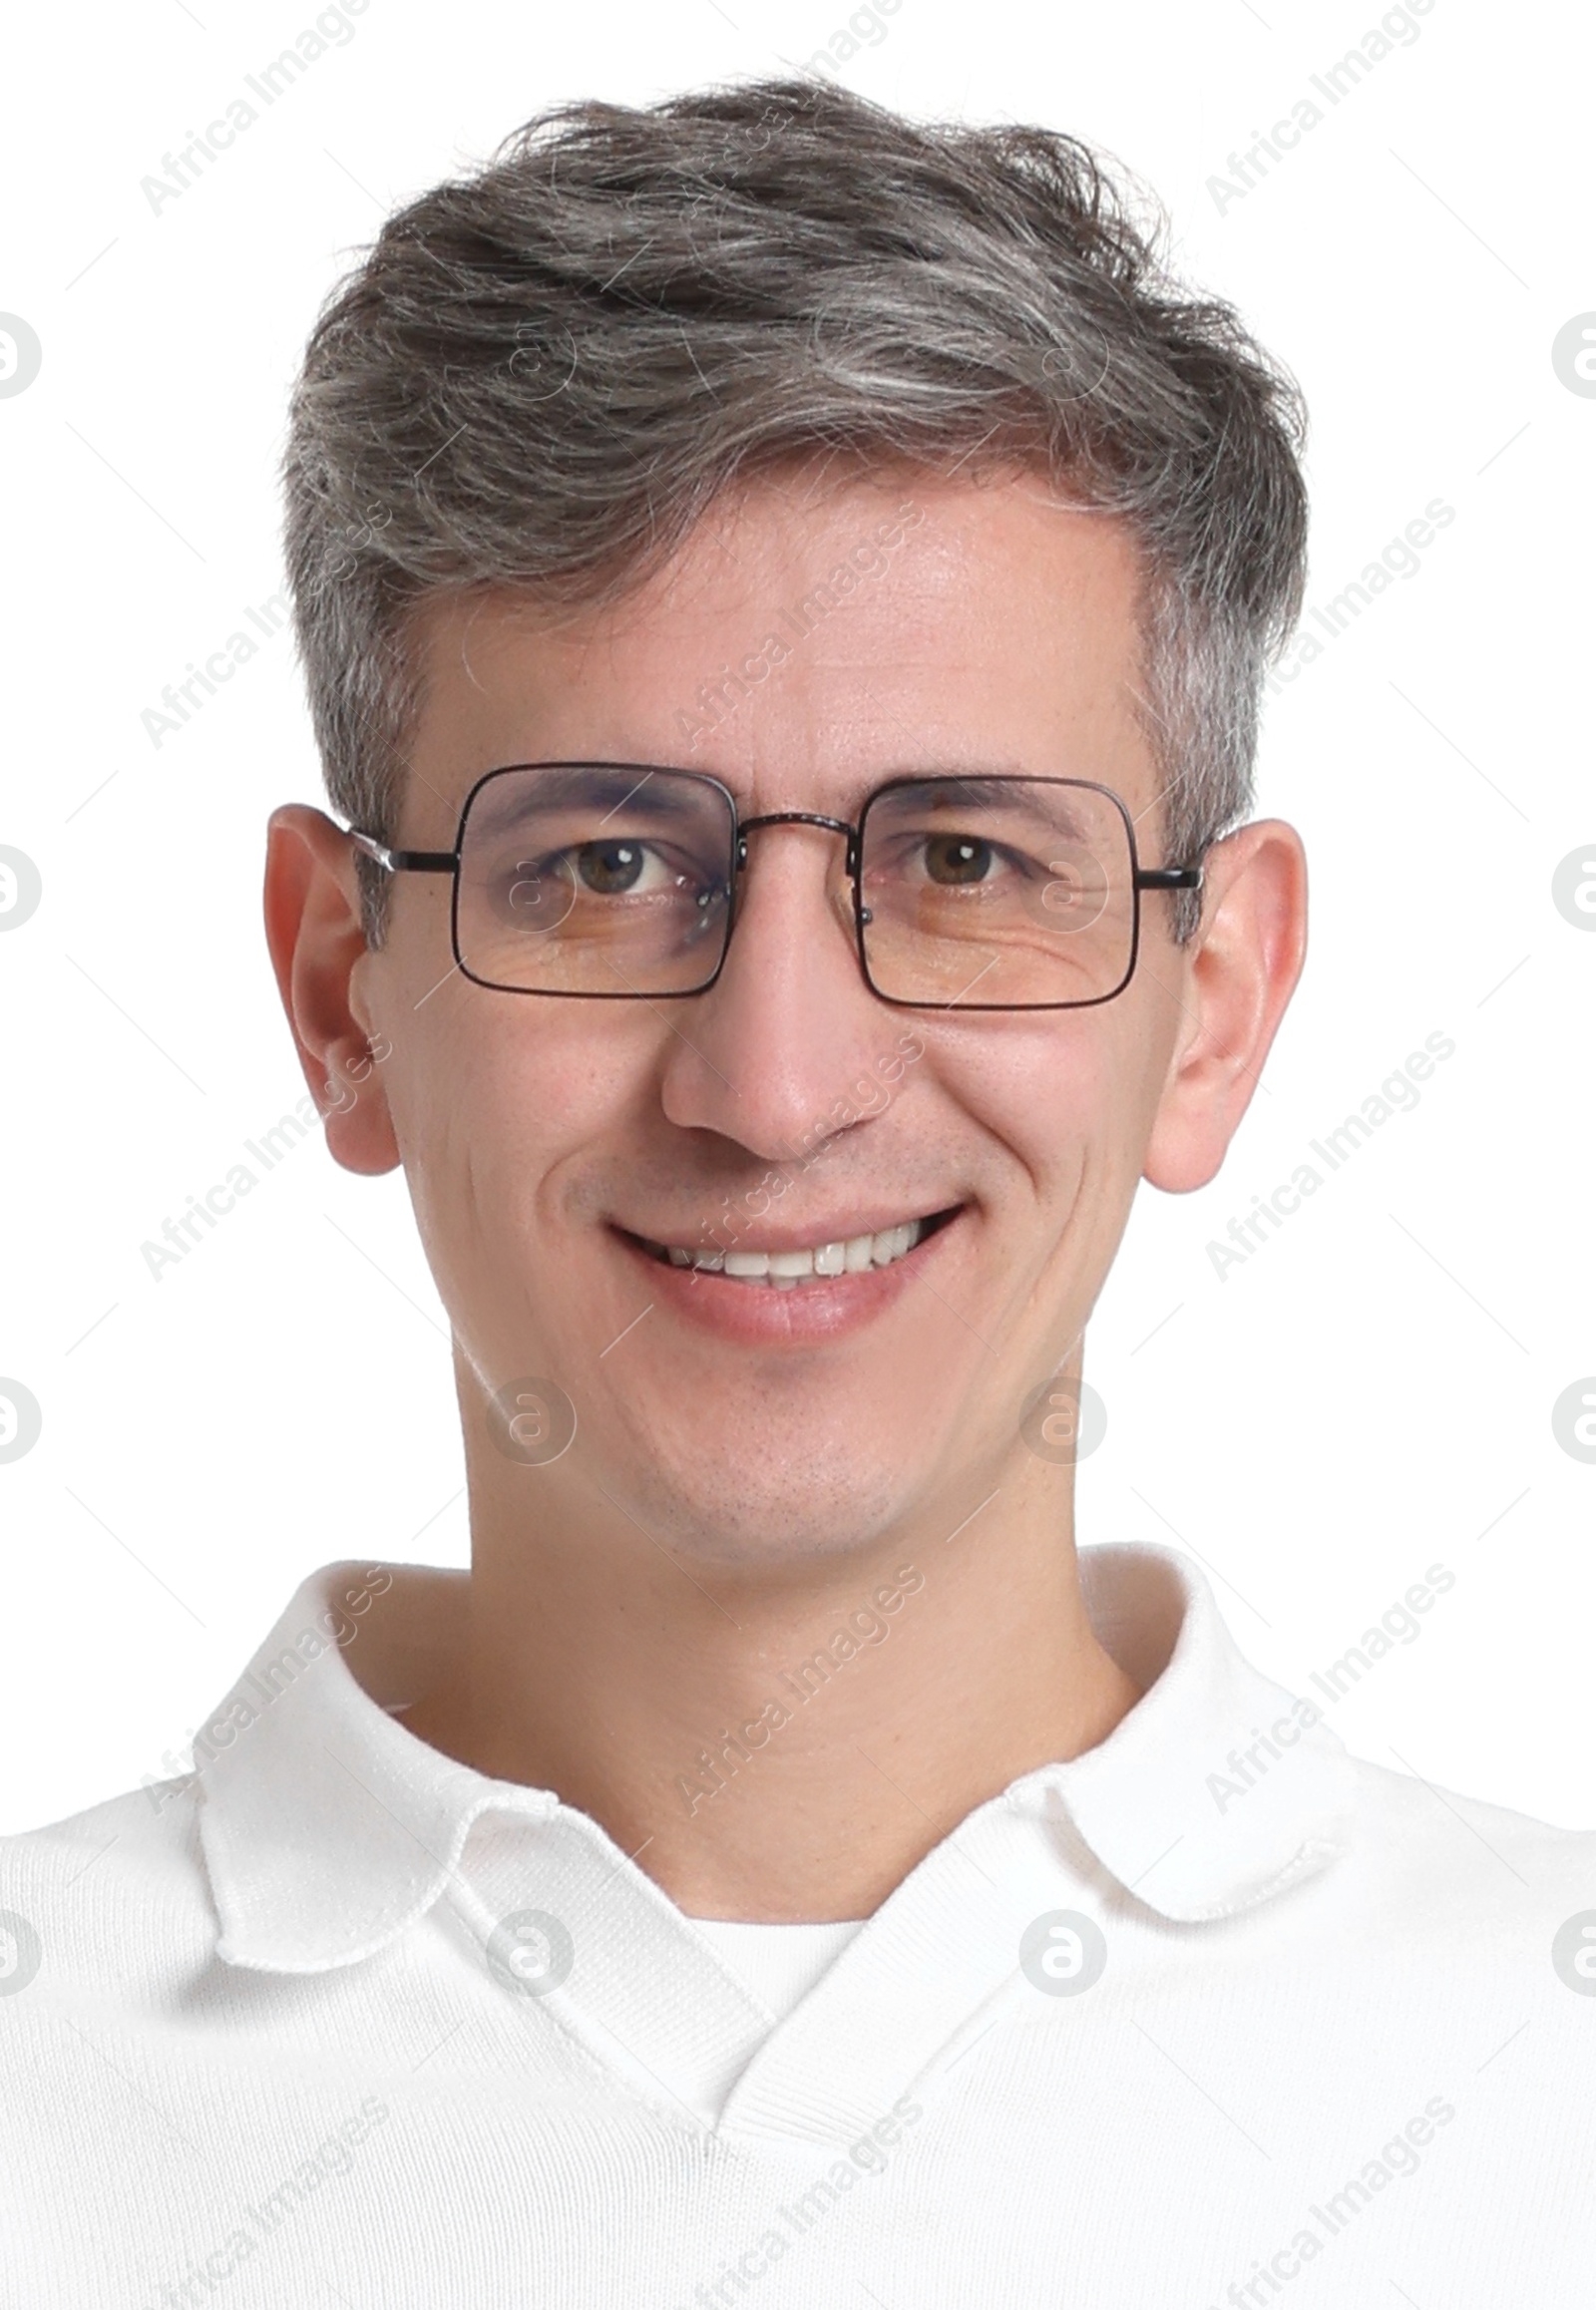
column 542, row 374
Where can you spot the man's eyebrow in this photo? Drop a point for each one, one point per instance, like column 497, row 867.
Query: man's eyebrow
column 613, row 785
column 956, row 786
column 652, row 790
column 1054, row 802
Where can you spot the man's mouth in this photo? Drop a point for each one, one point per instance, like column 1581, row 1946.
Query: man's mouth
column 814, row 1262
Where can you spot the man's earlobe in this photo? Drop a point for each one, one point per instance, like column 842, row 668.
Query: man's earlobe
column 360, row 1134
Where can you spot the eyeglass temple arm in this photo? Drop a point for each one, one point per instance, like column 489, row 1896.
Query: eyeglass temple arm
column 398, row 862
column 1169, row 878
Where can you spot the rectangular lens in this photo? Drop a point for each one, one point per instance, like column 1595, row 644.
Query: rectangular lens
column 1001, row 890
column 595, row 879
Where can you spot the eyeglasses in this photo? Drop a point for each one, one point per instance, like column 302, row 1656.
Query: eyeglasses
column 621, row 880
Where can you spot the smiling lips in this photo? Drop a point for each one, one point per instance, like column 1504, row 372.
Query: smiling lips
column 784, row 1271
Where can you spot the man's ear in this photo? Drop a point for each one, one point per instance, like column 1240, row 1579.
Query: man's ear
column 314, row 929
column 1233, row 983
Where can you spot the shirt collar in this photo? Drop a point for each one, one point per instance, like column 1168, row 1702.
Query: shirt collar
column 328, row 1830
column 1220, row 1787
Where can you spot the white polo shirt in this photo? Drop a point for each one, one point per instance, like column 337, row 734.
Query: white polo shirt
column 1213, row 2015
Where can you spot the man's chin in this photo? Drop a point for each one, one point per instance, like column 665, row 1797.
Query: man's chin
column 756, row 1517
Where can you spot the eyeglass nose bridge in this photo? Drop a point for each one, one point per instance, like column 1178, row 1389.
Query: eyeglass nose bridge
column 746, row 825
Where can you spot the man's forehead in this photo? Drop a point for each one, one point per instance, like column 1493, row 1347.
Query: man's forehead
column 835, row 636
column 1011, row 543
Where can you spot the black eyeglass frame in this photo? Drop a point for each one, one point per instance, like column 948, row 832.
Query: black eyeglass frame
column 440, row 862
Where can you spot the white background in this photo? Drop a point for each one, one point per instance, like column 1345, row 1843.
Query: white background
column 1369, row 1394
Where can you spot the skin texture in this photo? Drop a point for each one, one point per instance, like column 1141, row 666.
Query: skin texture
column 729, row 1502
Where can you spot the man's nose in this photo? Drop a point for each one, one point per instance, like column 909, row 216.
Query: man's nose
column 774, row 1054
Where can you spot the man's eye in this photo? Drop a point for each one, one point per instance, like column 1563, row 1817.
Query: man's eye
column 606, row 868
column 957, row 858
column 609, row 868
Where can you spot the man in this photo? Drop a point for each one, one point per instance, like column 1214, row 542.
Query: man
column 783, row 592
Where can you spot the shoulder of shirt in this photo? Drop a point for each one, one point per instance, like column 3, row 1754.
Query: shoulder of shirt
column 1412, row 1834
column 127, row 1873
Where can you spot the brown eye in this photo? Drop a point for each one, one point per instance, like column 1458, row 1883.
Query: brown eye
column 610, row 867
column 956, row 858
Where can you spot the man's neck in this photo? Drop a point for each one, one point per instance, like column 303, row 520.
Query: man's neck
column 779, row 1749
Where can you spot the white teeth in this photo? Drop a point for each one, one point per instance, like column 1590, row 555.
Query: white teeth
column 784, row 1271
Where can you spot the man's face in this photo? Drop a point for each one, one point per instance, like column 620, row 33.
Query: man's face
column 551, row 1142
